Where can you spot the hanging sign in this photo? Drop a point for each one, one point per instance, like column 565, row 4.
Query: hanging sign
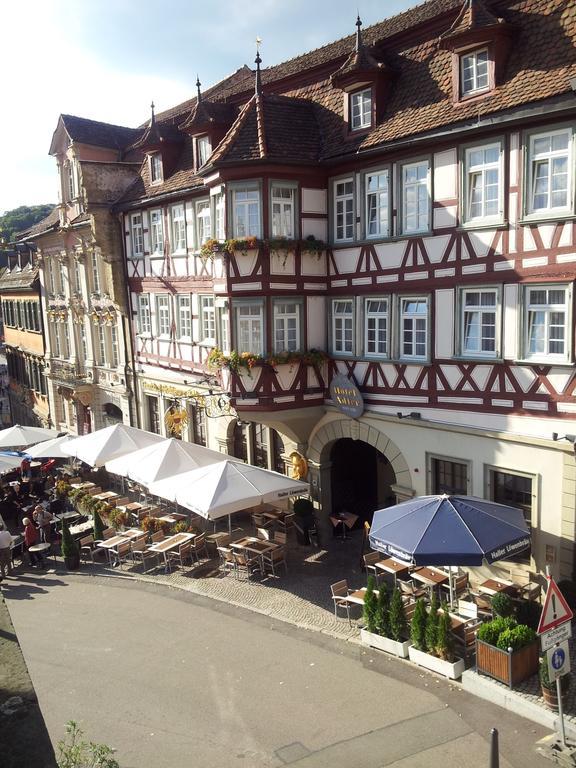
column 556, row 610
column 346, row 396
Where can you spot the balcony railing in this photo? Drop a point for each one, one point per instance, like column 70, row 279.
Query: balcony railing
column 62, row 370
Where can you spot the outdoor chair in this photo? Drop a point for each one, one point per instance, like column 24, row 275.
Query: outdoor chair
column 246, row 565
column 260, row 521
column 408, row 588
column 409, row 608
column 531, row 591
column 280, row 537
column 264, row 534
column 181, row 555
column 157, row 537
column 87, row 545
column 465, row 641
column 107, row 533
column 459, row 584
column 285, row 524
column 370, row 561
column 121, row 554
column 340, row 594
column 199, row 545
column 275, row 558
column 484, row 604
column 140, row 552
column 227, row 562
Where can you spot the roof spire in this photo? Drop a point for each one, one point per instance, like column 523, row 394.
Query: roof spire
column 152, row 119
column 258, row 61
column 358, row 33
column 198, row 84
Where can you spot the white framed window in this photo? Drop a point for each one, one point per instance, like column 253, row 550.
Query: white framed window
column 223, row 324
column 56, row 338
column 479, row 324
column 203, row 150
column 550, row 172
column 114, row 346
column 101, row 345
column 361, row 109
column 344, row 210
column 250, row 327
column 219, row 217
column 343, row 326
column 156, row 175
column 207, row 320
column 144, row 318
column 474, row 76
column 71, row 181
column 376, row 326
column 546, row 322
column 95, row 271
column 184, row 309
column 483, row 183
column 416, row 197
column 49, row 275
column 414, row 328
column 163, row 314
column 178, row 229
column 286, row 325
column 83, row 341
column 157, row 232
column 203, row 228
column 377, row 204
column 283, row 211
column 246, row 218
column 137, row 235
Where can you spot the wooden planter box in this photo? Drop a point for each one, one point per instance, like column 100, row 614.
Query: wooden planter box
column 510, row 668
column 450, row 669
column 385, row 644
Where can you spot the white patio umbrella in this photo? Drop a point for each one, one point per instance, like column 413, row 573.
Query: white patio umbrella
column 163, row 459
column 8, row 463
column 105, row 444
column 18, row 436
column 50, row 449
column 227, row 487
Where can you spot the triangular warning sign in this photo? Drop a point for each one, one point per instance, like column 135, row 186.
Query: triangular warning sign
column 555, row 611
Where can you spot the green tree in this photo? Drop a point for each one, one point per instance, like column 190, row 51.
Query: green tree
column 418, row 625
column 98, row 526
column 370, row 606
column 383, row 611
column 432, row 623
column 398, row 626
column 20, row 219
column 74, row 752
column 444, row 644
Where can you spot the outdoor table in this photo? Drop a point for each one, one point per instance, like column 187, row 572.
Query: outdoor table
column 172, row 542
column 112, row 542
column 274, row 514
column 81, row 528
column 257, row 547
column 173, row 517
column 134, row 506
column 133, row 533
column 41, row 549
column 107, row 496
column 358, row 596
column 67, row 516
column 430, row 577
column 493, row 586
column 213, row 540
column 82, row 486
column 345, row 519
column 393, row 566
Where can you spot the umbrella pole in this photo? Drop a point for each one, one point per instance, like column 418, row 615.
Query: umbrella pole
column 451, row 585
column 230, row 524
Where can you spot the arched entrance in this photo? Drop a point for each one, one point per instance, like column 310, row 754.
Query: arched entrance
column 361, row 479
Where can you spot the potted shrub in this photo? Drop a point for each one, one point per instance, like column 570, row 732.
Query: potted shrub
column 98, row 526
column 548, row 687
column 70, row 549
column 502, row 605
column 432, row 641
column 385, row 621
column 506, row 650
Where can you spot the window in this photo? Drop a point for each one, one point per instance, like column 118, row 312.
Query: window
column 114, row 346
column 77, row 276
column 203, row 230
column 344, row 210
column 83, row 342
column 95, row 272
column 163, row 315
column 207, row 320
column 547, row 322
column 156, row 168
column 376, row 326
column 479, row 322
column 246, row 211
column 137, row 235
column 101, row 346
column 56, row 336
column 449, row 477
column 178, row 229
column 415, row 197
column 144, row 320
column 377, row 204
column 474, row 72
column 198, row 423
column 203, row 150
column 279, row 465
column 260, row 443
column 515, row 491
column 157, row 232
column 286, row 326
column 240, row 447
column 283, row 213
column 361, row 109
column 250, row 328
column 153, row 414
column 414, row 328
column 219, row 217
column 343, row 326
column 549, row 172
column 223, row 327
column 184, row 317
column 482, row 183
column 70, row 181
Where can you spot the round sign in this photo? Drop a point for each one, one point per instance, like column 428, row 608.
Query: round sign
column 558, row 658
column 346, row 396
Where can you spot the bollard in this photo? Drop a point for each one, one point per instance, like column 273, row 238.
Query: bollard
column 494, row 758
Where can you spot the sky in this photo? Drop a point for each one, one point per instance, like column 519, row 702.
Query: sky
column 108, row 59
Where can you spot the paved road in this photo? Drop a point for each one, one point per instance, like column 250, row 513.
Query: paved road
column 172, row 680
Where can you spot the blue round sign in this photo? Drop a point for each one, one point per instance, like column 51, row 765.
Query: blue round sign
column 558, row 658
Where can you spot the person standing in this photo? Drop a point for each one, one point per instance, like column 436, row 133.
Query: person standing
column 5, row 552
column 43, row 519
column 31, row 538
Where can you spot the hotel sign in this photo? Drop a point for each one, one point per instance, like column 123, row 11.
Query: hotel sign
column 346, row 396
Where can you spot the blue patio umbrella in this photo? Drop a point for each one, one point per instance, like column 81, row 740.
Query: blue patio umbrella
column 449, row 530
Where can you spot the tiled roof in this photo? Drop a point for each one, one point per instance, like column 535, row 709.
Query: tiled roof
column 16, row 278
column 360, row 60
column 205, row 113
column 48, row 222
column 474, row 15
column 98, row 134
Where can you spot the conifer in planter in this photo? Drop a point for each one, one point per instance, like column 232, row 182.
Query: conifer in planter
column 378, row 631
column 418, row 626
column 70, row 548
column 370, row 607
column 98, row 526
column 398, row 624
column 432, row 640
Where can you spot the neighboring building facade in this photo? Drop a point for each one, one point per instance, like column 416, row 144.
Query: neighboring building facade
column 82, row 279
column 24, row 341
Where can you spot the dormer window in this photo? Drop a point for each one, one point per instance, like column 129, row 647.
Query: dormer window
column 474, row 75
column 156, row 175
column 203, row 150
column 361, row 109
